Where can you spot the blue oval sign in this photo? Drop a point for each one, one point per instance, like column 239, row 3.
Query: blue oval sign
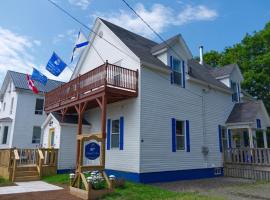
column 92, row 151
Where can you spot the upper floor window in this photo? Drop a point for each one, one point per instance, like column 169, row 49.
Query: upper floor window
column 235, row 95
column 4, row 106
column 180, row 135
column 11, row 105
column 176, row 66
column 115, row 136
column 39, row 106
column 5, row 135
column 36, row 135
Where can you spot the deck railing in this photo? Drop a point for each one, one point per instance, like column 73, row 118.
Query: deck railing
column 257, row 156
column 104, row 75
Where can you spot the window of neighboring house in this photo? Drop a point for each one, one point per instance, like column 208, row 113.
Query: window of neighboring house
column 224, row 137
column 36, row 135
column 176, row 71
column 115, row 135
column 11, row 105
column 268, row 136
column 235, row 91
column 180, row 135
column 39, row 106
column 259, row 139
column 5, row 135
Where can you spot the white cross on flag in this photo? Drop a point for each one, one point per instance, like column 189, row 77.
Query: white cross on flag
column 31, row 84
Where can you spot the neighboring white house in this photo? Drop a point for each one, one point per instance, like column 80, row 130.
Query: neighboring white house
column 21, row 111
column 181, row 120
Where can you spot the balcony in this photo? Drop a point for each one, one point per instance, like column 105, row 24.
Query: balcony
column 116, row 82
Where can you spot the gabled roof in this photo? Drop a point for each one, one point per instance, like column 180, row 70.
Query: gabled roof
column 68, row 119
column 244, row 112
column 139, row 45
column 223, row 71
column 201, row 72
column 20, row 82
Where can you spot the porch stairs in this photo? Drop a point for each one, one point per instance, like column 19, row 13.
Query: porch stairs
column 26, row 173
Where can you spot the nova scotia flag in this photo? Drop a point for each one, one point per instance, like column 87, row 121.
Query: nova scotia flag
column 79, row 45
column 56, row 65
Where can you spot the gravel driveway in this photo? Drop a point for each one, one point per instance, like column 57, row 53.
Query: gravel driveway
column 228, row 188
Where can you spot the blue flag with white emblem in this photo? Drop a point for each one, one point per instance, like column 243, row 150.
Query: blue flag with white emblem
column 56, row 65
column 38, row 76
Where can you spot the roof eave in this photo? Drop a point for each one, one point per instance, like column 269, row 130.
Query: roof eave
column 155, row 67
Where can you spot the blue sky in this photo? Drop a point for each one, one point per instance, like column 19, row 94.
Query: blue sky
column 30, row 30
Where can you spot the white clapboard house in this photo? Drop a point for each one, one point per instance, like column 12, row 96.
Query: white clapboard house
column 182, row 118
column 22, row 111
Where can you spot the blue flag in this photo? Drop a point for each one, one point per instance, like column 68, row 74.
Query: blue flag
column 55, row 65
column 38, row 76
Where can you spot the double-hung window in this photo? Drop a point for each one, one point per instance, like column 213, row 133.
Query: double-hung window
column 36, row 135
column 39, row 106
column 176, row 66
column 235, row 91
column 115, row 135
column 180, row 135
column 5, row 135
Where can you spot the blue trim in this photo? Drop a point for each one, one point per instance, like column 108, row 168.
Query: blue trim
column 173, row 135
column 183, row 75
column 220, row 137
column 82, row 44
column 230, row 138
column 258, row 123
column 187, row 136
column 121, row 133
column 65, row 171
column 165, row 176
column 108, row 134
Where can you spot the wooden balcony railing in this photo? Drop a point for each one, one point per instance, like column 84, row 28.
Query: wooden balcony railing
column 105, row 75
column 257, row 156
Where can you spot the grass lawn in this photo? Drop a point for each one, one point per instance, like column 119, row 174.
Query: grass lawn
column 4, row 182
column 137, row 191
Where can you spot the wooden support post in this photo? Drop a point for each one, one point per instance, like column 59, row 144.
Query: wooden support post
column 103, row 126
column 265, row 139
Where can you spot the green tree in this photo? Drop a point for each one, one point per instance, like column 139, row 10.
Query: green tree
column 252, row 55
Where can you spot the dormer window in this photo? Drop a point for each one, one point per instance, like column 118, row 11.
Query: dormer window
column 236, row 91
column 176, row 66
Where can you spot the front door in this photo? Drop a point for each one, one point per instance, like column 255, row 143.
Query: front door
column 51, row 138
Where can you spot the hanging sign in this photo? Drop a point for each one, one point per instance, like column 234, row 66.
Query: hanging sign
column 92, row 151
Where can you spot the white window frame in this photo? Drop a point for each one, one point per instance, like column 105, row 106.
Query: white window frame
column 112, row 133
column 4, row 127
column 33, row 135
column 177, row 135
column 11, row 105
column 39, row 112
column 235, row 92
column 175, row 71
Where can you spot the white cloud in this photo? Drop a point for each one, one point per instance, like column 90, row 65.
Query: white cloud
column 83, row 4
column 159, row 17
column 16, row 54
column 69, row 35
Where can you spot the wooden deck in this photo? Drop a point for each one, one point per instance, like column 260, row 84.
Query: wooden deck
column 27, row 164
column 251, row 163
column 117, row 82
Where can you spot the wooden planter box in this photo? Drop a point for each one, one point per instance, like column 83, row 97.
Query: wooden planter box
column 89, row 195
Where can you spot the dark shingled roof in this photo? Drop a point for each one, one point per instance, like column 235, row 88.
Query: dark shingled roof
column 20, row 81
column 69, row 119
column 6, row 119
column 222, row 71
column 201, row 72
column 164, row 44
column 139, row 45
column 244, row 112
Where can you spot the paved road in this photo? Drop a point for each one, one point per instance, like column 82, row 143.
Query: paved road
column 228, row 188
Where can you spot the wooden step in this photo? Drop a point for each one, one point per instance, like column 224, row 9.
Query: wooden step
column 27, row 178
column 26, row 168
column 26, row 173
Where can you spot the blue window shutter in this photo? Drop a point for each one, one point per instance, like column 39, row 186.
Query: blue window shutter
column 173, row 135
column 108, row 134
column 187, row 136
column 121, row 133
column 171, row 66
column 183, row 74
column 230, row 138
column 220, row 137
column 258, row 122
